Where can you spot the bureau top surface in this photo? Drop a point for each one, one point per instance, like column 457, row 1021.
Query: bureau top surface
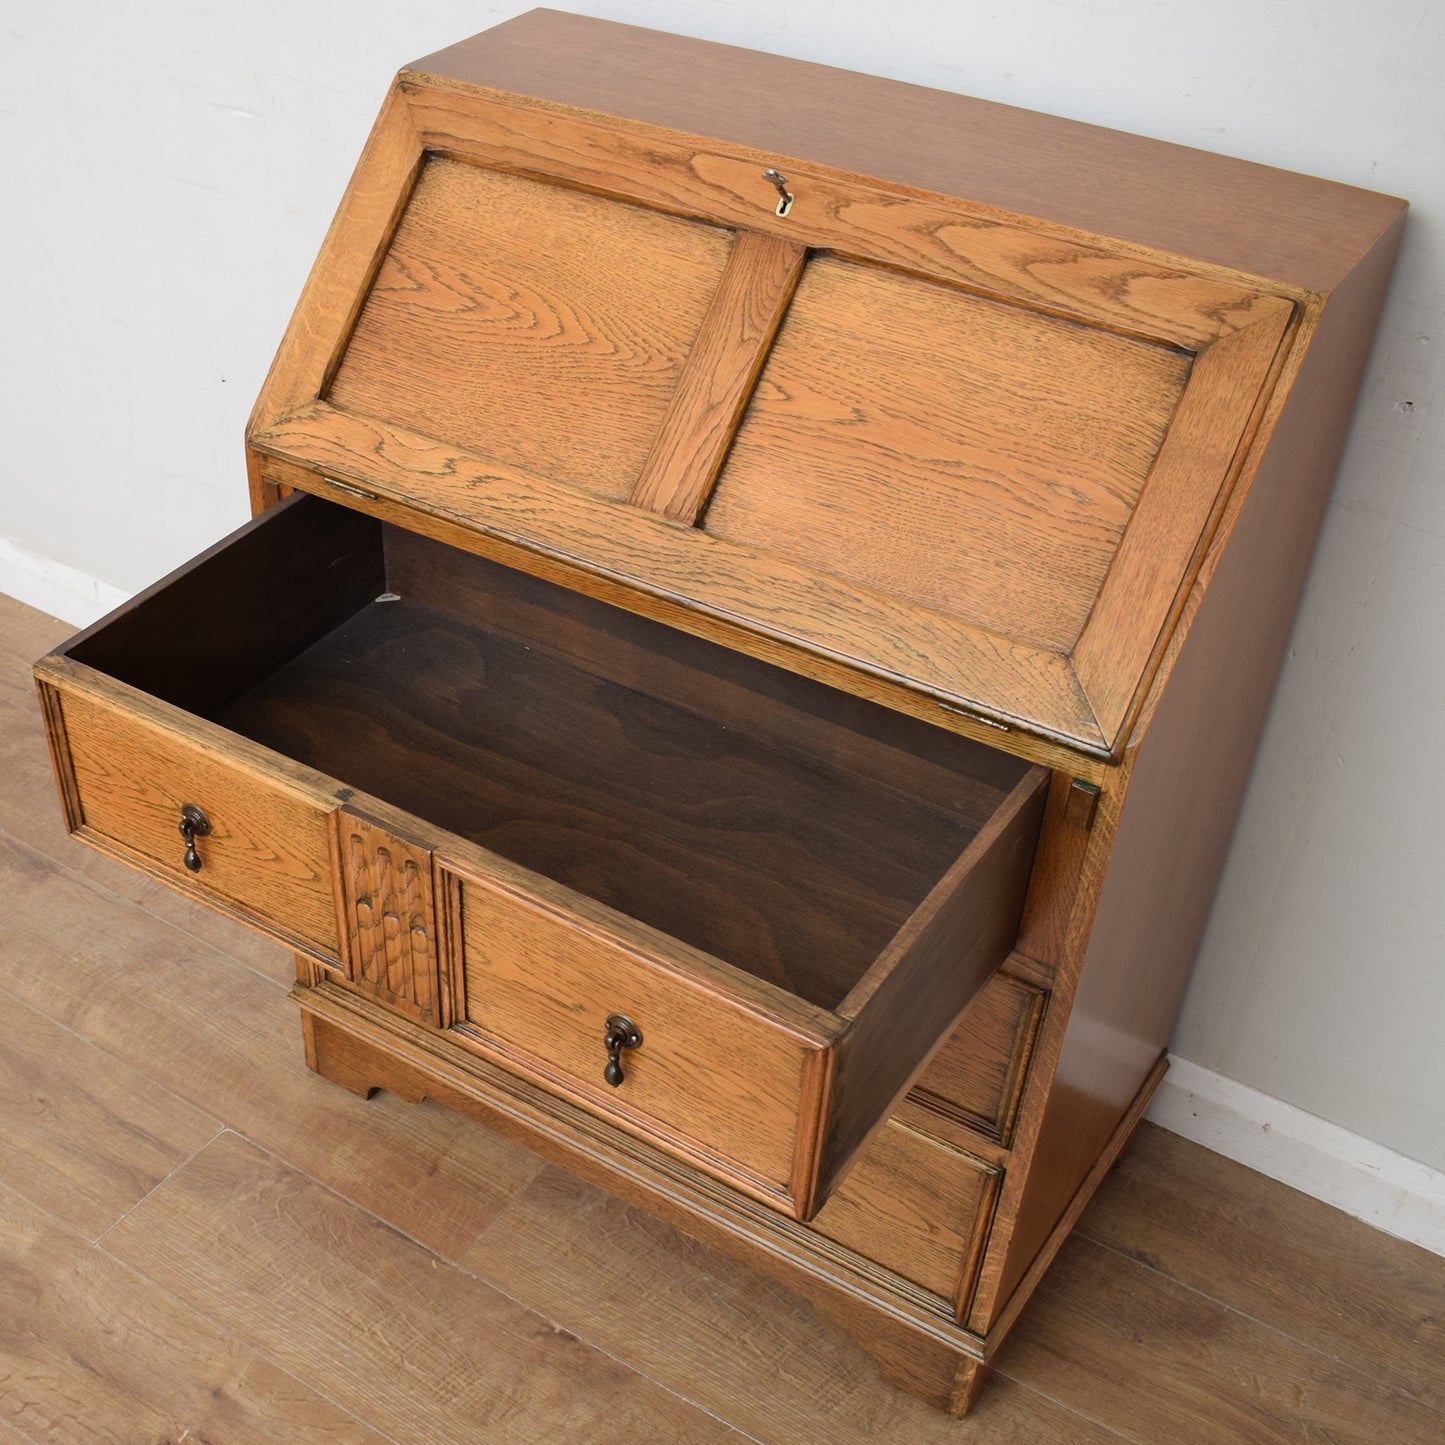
column 778, row 354
column 1274, row 223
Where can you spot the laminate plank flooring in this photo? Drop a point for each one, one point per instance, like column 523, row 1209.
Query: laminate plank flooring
column 277, row 1260
column 90, row 1351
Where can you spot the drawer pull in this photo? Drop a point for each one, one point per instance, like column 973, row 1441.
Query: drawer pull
column 194, row 824
column 621, row 1033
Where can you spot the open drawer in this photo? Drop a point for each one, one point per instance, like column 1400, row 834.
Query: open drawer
column 516, row 813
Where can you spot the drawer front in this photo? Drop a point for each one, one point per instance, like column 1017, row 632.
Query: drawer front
column 975, row 1079
column 918, row 1208
column 267, row 855
column 712, row 1079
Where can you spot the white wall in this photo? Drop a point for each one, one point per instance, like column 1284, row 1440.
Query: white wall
column 170, row 169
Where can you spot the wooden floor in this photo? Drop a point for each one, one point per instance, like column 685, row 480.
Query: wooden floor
column 200, row 1241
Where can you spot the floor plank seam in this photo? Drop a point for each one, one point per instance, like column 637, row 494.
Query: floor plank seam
column 120, row 1059
column 482, row 1279
column 189, row 1309
column 159, row 1184
column 1343, row 1363
column 249, row 1346
column 84, row 880
column 1068, row 1409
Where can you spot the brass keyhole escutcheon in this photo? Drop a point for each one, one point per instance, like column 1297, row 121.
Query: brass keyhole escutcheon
column 779, row 183
column 620, row 1033
column 194, row 824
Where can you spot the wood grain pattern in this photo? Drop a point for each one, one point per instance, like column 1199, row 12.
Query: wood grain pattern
column 720, row 1084
column 270, row 1255
column 780, row 863
column 573, row 313
column 386, row 916
column 27, row 803
column 866, row 217
column 723, row 1334
column 916, row 1207
column 241, row 608
column 223, row 1038
column 1187, row 489
column 83, row 1135
column 976, row 458
column 781, row 709
column 91, row 1352
column 267, row 855
column 910, row 999
column 1110, row 1334
column 718, row 376
column 1144, row 892
column 1096, row 181
column 1288, row 1261
column 974, row 1080
column 910, row 657
column 334, row 292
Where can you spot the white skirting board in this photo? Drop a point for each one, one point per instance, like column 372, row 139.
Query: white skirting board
column 55, row 587
column 1388, row 1190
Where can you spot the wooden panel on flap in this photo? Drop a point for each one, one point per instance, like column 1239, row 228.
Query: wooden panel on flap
column 978, row 458
column 540, row 326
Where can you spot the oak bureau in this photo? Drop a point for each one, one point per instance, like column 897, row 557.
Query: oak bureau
column 764, row 586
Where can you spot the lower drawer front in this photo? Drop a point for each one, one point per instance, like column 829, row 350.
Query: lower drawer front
column 711, row 1080
column 918, row 1208
column 267, row 854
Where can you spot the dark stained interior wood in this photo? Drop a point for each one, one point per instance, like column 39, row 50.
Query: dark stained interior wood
column 731, row 846
column 745, row 814
column 241, row 608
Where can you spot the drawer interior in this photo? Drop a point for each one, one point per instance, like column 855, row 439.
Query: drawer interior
column 769, row 820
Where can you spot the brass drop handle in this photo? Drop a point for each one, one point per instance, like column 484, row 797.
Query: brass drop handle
column 194, row 824
column 621, row 1033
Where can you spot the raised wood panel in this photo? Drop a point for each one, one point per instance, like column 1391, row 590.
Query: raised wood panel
column 713, row 1079
column 916, row 1207
column 387, row 917
column 535, row 324
column 1165, row 197
column 973, row 457
column 267, row 856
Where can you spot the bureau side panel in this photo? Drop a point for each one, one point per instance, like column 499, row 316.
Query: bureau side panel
column 1184, row 788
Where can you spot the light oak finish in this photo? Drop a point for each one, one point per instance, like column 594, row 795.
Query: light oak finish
column 716, row 1333
column 541, row 290
column 718, row 378
column 836, row 640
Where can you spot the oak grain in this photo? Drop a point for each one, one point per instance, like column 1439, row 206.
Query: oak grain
column 574, row 314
